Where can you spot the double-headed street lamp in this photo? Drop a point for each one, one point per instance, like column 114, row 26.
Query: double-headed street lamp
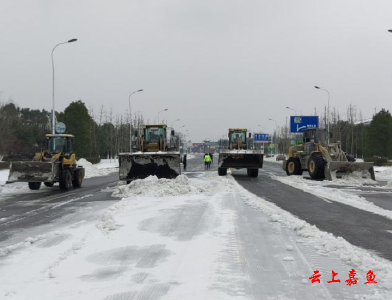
column 160, row 112
column 292, row 110
column 130, row 118
column 129, row 103
column 53, row 93
column 171, row 126
column 319, row 88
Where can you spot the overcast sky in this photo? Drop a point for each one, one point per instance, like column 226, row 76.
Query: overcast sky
column 214, row 64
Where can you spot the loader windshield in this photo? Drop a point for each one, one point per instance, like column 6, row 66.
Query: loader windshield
column 152, row 134
column 236, row 136
column 59, row 144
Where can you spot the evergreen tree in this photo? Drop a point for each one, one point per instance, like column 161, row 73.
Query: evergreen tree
column 8, row 128
column 379, row 135
column 79, row 123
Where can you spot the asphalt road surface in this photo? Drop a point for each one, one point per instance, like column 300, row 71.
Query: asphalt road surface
column 25, row 210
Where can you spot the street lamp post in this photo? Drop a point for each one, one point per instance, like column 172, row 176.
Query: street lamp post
column 171, row 125
column 276, row 130
column 292, row 110
column 160, row 112
column 53, row 93
column 319, row 88
column 130, row 118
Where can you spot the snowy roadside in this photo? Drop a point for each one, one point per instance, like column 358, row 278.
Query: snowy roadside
column 324, row 190
column 179, row 239
column 384, row 173
column 103, row 168
column 3, row 176
column 272, row 159
column 19, row 187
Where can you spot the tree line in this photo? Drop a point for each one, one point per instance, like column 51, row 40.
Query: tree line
column 102, row 134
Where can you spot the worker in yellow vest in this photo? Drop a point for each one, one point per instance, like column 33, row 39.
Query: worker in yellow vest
column 207, row 161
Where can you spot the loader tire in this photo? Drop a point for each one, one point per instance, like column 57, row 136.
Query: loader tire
column 66, row 180
column 222, row 171
column 78, row 179
column 293, row 167
column 253, row 172
column 316, row 166
column 49, row 184
column 34, row 185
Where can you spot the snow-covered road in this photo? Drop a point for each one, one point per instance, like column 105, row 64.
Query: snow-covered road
column 200, row 238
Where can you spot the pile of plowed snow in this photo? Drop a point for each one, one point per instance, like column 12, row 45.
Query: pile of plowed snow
column 93, row 170
column 354, row 178
column 154, row 187
column 3, row 176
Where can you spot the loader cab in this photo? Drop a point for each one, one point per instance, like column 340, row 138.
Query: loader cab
column 237, row 138
column 59, row 143
column 153, row 133
column 318, row 136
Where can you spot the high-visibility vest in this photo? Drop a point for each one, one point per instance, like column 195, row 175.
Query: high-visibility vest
column 207, row 158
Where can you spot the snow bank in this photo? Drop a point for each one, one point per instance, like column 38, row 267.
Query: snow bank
column 383, row 173
column 154, row 187
column 322, row 189
column 3, row 176
column 19, row 187
column 356, row 178
column 107, row 164
column 95, row 170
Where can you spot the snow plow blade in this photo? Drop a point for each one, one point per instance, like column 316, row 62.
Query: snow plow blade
column 250, row 159
column 141, row 165
column 31, row 171
column 341, row 168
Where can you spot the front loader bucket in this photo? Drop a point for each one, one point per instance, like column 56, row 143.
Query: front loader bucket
column 238, row 160
column 141, row 165
column 337, row 169
column 31, row 171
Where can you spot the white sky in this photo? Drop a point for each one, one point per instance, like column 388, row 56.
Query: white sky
column 214, row 64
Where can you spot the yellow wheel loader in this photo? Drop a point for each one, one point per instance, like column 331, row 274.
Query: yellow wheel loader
column 323, row 160
column 153, row 155
column 56, row 163
column 236, row 153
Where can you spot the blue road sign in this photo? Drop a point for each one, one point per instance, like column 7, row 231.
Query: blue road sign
column 260, row 137
column 300, row 123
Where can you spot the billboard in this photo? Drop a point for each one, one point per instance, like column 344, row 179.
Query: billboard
column 260, row 137
column 300, row 123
